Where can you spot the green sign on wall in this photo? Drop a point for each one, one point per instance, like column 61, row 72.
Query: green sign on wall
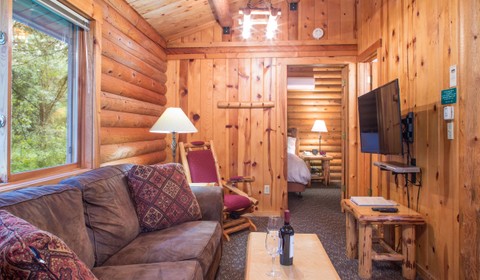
column 449, row 96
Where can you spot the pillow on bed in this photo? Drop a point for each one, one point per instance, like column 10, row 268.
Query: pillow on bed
column 291, row 145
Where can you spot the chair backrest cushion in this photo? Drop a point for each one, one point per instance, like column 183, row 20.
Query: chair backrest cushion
column 202, row 166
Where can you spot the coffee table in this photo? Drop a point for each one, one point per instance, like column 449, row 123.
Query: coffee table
column 310, row 261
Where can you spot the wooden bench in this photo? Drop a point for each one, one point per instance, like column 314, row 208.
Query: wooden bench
column 360, row 221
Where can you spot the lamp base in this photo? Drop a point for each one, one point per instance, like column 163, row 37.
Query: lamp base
column 174, row 147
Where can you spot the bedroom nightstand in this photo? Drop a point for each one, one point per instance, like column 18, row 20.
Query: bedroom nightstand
column 325, row 161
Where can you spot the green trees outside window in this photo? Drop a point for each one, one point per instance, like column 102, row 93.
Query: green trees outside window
column 39, row 100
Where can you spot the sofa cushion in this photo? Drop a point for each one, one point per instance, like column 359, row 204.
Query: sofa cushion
column 162, row 196
column 29, row 253
column 57, row 209
column 109, row 211
column 184, row 270
column 197, row 240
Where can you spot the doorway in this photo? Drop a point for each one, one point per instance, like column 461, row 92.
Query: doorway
column 318, row 94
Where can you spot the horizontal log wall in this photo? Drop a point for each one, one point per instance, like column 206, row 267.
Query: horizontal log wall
column 336, row 18
column 133, row 87
column 419, row 43
column 325, row 102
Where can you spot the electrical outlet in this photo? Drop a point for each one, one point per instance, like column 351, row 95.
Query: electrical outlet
column 266, row 189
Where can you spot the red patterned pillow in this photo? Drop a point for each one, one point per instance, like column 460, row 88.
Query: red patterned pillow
column 162, row 196
column 27, row 252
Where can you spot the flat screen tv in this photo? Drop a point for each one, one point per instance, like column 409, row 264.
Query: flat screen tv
column 380, row 120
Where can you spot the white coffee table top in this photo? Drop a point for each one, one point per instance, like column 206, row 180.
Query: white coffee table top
column 310, row 261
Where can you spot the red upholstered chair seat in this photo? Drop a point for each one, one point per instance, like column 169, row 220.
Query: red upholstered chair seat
column 235, row 202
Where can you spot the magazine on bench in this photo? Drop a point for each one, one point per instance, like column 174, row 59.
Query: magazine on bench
column 372, row 201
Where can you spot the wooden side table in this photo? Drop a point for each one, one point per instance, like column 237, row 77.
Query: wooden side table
column 359, row 223
column 325, row 166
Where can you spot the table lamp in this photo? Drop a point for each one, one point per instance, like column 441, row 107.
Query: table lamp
column 319, row 126
column 174, row 121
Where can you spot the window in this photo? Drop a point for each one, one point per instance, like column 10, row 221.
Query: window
column 45, row 89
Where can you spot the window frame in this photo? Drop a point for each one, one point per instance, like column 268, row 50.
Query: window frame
column 88, row 111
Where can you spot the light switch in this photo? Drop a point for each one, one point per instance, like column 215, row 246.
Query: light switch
column 450, row 131
column 448, row 113
column 453, row 76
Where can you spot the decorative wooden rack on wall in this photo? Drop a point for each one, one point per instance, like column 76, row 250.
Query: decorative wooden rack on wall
column 245, row 105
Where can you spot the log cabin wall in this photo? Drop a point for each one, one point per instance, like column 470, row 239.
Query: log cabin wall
column 419, row 42
column 322, row 103
column 205, row 67
column 129, row 67
column 132, row 87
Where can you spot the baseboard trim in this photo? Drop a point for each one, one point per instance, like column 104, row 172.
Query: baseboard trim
column 424, row 273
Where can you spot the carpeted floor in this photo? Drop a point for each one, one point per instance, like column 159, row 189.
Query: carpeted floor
column 318, row 211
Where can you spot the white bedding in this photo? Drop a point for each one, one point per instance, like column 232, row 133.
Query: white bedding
column 297, row 170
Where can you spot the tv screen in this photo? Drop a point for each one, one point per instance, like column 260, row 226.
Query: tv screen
column 380, row 120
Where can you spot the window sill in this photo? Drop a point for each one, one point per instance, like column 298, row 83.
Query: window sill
column 39, row 181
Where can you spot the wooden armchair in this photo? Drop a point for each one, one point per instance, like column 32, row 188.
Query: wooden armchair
column 201, row 167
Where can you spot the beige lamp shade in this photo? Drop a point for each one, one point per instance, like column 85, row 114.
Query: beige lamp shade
column 173, row 120
column 319, row 126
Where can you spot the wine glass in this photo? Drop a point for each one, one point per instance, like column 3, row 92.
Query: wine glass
column 274, row 223
column 272, row 243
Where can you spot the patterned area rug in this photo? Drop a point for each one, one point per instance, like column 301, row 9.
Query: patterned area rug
column 317, row 211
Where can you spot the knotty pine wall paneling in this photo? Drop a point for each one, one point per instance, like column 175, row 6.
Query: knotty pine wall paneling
column 132, row 87
column 420, row 40
column 244, row 139
column 469, row 144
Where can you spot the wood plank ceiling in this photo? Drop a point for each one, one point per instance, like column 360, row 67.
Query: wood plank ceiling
column 173, row 17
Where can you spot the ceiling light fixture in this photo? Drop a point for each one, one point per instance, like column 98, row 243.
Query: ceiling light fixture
column 264, row 14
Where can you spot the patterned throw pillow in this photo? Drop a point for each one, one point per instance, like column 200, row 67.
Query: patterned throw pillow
column 27, row 252
column 162, row 196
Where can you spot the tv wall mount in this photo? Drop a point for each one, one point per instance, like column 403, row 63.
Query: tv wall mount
column 396, row 167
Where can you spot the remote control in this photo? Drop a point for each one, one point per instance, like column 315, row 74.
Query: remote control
column 385, row 209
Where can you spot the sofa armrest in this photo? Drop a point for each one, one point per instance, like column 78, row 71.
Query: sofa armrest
column 210, row 200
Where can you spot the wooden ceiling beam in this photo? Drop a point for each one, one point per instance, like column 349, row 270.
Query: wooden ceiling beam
column 221, row 10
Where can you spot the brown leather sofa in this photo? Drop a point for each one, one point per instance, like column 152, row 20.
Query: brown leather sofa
column 95, row 216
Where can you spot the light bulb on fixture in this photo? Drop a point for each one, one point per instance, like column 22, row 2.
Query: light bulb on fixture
column 271, row 26
column 247, row 25
column 265, row 14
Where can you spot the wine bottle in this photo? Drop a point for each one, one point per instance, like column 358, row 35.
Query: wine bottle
column 286, row 235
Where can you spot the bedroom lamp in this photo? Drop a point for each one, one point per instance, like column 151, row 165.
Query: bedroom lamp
column 174, row 121
column 319, row 126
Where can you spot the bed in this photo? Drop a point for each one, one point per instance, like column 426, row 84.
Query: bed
column 298, row 173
